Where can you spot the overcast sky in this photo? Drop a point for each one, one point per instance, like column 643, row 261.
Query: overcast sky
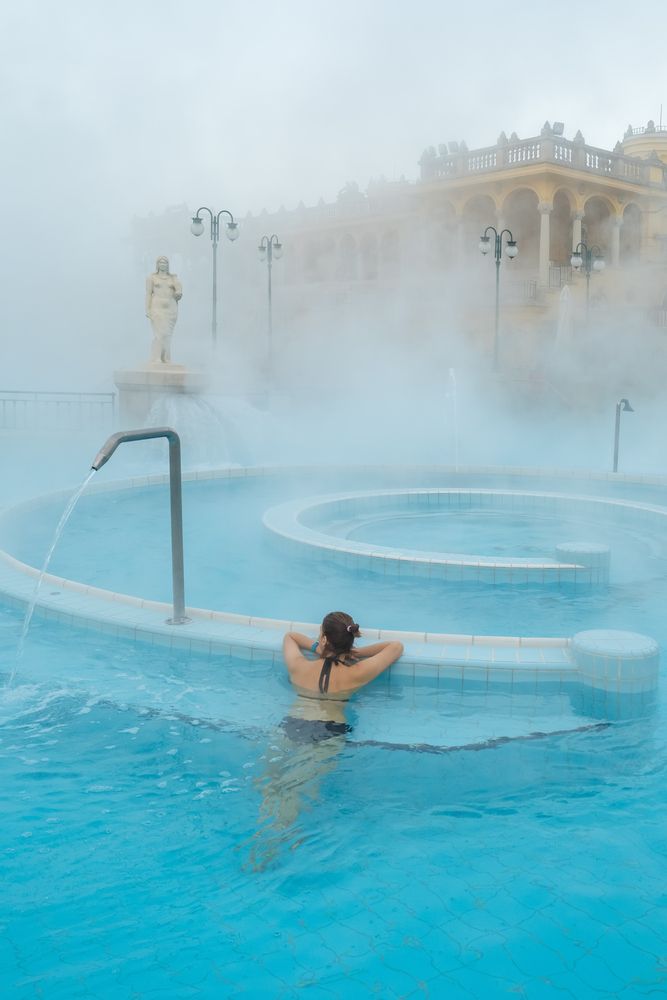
column 124, row 107
column 116, row 108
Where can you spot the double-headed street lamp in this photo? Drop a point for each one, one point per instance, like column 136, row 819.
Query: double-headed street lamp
column 270, row 247
column 511, row 249
column 591, row 259
column 197, row 228
column 622, row 404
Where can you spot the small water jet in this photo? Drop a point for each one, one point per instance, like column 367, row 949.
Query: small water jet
column 74, row 499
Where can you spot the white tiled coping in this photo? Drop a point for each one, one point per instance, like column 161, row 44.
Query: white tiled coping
column 476, row 659
column 285, row 522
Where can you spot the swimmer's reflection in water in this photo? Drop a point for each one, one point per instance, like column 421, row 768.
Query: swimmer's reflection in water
column 310, row 738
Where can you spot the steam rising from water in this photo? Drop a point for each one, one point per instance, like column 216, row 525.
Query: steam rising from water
column 257, row 110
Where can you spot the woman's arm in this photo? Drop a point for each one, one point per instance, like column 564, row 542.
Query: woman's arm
column 292, row 655
column 302, row 641
column 365, row 651
column 374, row 665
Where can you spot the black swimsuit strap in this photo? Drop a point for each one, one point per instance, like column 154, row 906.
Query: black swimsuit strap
column 325, row 673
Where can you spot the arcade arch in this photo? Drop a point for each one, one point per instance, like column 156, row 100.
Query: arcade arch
column 443, row 236
column 368, row 250
column 478, row 213
column 390, row 249
column 596, row 225
column 520, row 214
column 560, row 249
column 318, row 256
column 630, row 237
column 347, row 265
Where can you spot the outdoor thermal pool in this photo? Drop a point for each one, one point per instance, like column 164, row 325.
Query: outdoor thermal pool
column 118, row 540
column 466, row 839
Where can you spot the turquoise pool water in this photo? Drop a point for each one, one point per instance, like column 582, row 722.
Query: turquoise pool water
column 119, row 542
column 161, row 837
column 490, row 533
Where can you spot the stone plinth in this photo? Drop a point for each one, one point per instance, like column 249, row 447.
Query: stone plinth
column 139, row 388
column 619, row 671
column 617, row 661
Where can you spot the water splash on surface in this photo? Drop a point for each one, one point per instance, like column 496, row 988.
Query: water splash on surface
column 35, row 594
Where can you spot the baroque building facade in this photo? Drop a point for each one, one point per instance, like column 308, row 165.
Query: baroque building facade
column 417, row 242
column 550, row 191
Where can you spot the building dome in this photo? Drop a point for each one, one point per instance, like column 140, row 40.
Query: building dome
column 646, row 141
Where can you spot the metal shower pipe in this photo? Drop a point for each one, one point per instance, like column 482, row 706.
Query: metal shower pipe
column 176, row 503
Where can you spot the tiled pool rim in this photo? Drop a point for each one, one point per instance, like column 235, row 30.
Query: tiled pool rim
column 587, row 563
column 475, row 659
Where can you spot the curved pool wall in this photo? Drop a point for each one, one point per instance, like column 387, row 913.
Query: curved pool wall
column 577, row 562
column 609, row 673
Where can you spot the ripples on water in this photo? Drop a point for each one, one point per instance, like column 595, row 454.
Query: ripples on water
column 232, row 565
column 148, row 849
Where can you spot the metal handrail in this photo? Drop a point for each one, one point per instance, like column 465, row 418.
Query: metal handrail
column 176, row 503
column 25, row 408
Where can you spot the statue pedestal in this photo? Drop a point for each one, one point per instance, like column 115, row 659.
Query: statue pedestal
column 138, row 388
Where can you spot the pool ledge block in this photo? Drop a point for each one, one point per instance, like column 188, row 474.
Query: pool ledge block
column 612, row 660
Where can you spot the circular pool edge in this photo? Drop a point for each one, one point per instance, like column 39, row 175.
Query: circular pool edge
column 483, row 659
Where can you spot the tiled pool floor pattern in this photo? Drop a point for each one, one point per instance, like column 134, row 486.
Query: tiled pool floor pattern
column 535, row 869
column 404, row 875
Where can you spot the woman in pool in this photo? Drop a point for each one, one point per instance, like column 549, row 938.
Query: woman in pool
column 338, row 669
column 308, row 742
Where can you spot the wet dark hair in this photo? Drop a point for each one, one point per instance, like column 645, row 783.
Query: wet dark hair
column 340, row 631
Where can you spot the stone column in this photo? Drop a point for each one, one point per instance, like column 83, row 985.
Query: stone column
column 616, row 241
column 576, row 229
column 545, row 243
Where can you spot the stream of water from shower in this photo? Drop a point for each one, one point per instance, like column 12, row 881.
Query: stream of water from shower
column 35, row 594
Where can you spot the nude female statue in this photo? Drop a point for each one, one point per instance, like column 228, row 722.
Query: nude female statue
column 163, row 292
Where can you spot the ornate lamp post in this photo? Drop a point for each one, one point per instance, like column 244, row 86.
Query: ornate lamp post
column 197, row 228
column 511, row 249
column 622, row 404
column 591, row 259
column 270, row 247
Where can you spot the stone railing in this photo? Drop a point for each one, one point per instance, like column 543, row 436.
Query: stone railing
column 573, row 153
column 645, row 130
